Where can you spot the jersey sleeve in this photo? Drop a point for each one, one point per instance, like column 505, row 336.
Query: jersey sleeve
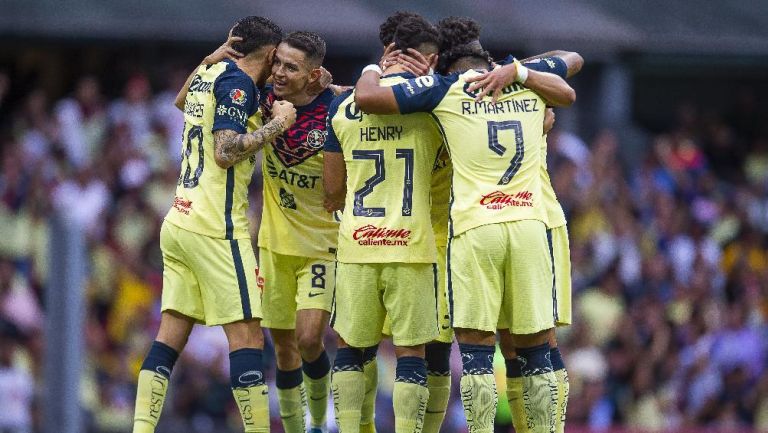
column 422, row 94
column 331, row 141
column 553, row 65
column 236, row 97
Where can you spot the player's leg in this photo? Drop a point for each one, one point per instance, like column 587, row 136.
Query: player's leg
column 437, row 354
column 279, row 305
column 246, row 373
column 530, row 309
column 227, row 273
column 371, row 374
column 181, row 305
column 475, row 284
column 411, row 301
column 157, row 367
column 314, row 298
column 561, row 256
column 514, row 380
column 357, row 317
column 289, row 381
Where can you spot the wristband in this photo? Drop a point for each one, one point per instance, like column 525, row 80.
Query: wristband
column 522, row 72
column 372, row 67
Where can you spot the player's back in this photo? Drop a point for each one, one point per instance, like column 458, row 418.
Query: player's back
column 210, row 200
column 495, row 147
column 389, row 161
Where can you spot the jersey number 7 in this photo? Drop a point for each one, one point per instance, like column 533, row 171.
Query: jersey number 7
column 496, row 147
column 377, row 156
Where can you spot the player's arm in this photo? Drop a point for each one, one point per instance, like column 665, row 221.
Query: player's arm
column 372, row 97
column 573, row 60
column 225, row 51
column 231, row 147
column 552, row 88
column 334, row 167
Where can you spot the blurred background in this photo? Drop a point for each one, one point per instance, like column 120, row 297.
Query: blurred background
column 661, row 166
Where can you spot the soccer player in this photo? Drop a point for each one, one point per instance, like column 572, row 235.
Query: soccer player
column 498, row 254
column 386, row 256
column 557, row 232
column 437, row 353
column 209, row 265
column 297, row 238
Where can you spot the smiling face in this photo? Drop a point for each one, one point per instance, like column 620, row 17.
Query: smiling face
column 291, row 71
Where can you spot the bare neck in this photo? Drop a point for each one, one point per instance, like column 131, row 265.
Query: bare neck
column 254, row 66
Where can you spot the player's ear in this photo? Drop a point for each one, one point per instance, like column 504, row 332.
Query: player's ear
column 271, row 55
column 315, row 74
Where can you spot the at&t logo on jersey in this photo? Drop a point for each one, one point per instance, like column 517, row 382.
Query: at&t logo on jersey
column 381, row 236
column 237, row 96
column 499, row 200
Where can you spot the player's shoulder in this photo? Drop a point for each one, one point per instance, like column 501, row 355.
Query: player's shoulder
column 338, row 101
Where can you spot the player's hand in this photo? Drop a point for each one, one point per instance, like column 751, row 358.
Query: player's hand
column 338, row 90
column 322, row 83
column 225, row 51
column 414, row 62
column 389, row 57
column 492, row 82
column 285, row 111
column 549, row 120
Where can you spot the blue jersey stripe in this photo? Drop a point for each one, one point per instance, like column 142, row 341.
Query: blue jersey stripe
column 228, row 199
column 437, row 308
column 554, row 287
column 242, row 282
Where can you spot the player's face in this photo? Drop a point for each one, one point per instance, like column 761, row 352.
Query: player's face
column 290, row 71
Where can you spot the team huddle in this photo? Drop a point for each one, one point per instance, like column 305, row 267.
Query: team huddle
column 415, row 206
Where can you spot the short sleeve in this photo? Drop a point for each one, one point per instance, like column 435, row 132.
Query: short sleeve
column 236, row 96
column 553, row 65
column 422, row 94
column 506, row 60
column 331, row 141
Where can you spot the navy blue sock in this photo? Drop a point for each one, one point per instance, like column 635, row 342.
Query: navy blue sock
column 556, row 358
column 477, row 358
column 438, row 357
column 246, row 368
column 534, row 360
column 369, row 354
column 348, row 359
column 513, row 368
column 318, row 368
column 287, row 379
column 161, row 359
column 411, row 369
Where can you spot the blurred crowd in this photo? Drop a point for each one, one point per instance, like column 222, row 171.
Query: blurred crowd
column 669, row 252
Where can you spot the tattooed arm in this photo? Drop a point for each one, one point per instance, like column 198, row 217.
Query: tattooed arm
column 231, row 147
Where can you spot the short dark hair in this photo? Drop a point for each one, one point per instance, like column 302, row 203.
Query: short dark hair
column 257, row 32
column 413, row 32
column 388, row 27
column 311, row 44
column 460, row 37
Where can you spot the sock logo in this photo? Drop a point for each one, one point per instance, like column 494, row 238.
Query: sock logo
column 157, row 386
column 250, row 377
column 165, row 371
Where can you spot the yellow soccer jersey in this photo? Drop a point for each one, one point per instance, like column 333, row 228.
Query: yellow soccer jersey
column 495, row 148
column 555, row 214
column 294, row 221
column 209, row 200
column 441, row 197
column 389, row 161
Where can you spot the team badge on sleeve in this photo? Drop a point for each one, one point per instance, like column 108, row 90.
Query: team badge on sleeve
column 237, row 96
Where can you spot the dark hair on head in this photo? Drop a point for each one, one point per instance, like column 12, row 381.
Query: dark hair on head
column 457, row 31
column 388, row 27
column 413, row 32
column 460, row 38
column 311, row 44
column 257, row 32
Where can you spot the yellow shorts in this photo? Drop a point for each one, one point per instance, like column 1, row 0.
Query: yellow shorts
column 294, row 283
column 213, row 281
column 561, row 262
column 443, row 318
column 504, row 267
column 368, row 292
